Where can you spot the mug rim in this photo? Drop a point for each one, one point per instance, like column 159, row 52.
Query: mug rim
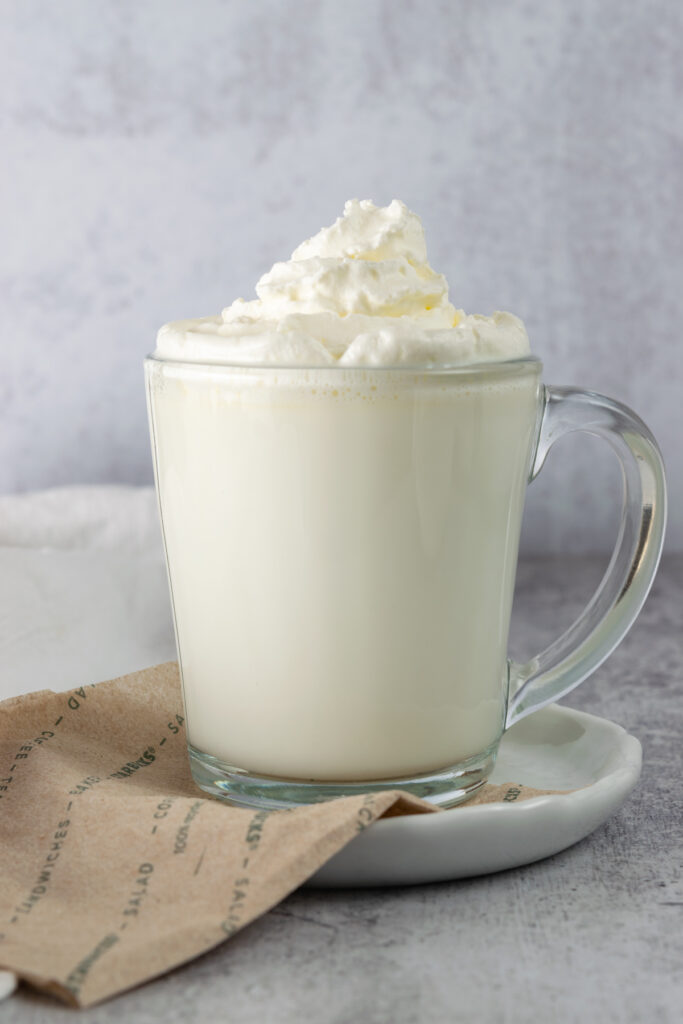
column 482, row 368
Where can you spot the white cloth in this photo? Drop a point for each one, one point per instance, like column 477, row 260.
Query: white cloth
column 83, row 591
column 80, row 518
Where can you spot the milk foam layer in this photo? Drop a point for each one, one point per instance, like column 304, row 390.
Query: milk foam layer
column 359, row 293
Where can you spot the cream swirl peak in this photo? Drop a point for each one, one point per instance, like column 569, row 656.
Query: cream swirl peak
column 359, row 293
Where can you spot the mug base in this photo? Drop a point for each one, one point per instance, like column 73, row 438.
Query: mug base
column 445, row 788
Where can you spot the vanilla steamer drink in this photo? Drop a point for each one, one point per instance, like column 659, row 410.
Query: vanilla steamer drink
column 341, row 467
column 315, row 528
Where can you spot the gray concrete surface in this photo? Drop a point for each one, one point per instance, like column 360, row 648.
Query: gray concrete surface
column 591, row 935
column 159, row 155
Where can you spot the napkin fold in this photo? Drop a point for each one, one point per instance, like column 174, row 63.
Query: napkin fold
column 116, row 867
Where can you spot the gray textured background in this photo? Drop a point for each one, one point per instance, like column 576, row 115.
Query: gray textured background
column 159, row 155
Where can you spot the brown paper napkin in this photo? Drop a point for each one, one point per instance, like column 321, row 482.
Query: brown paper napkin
column 115, row 866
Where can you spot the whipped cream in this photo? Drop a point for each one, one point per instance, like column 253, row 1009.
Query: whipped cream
column 359, row 293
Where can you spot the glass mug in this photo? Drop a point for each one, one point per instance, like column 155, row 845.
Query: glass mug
column 341, row 546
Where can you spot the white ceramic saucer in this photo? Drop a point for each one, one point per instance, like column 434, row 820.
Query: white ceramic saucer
column 556, row 748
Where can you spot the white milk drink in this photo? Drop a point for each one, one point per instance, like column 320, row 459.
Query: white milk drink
column 341, row 467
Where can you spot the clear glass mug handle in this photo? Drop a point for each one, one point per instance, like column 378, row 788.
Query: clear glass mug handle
column 625, row 585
